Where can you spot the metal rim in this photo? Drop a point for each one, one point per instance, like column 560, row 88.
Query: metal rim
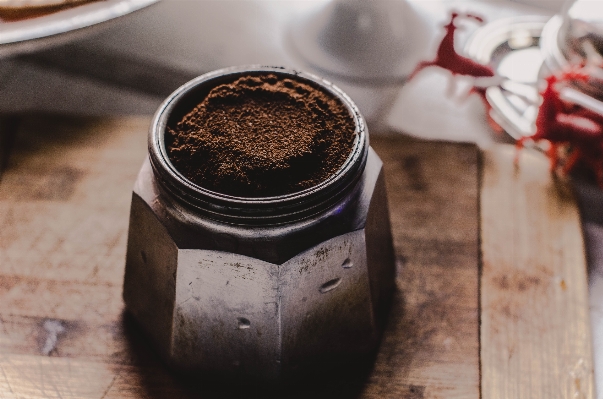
column 484, row 41
column 549, row 45
column 254, row 210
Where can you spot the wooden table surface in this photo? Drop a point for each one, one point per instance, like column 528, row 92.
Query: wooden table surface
column 65, row 192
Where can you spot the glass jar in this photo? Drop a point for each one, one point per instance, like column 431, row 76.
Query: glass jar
column 575, row 37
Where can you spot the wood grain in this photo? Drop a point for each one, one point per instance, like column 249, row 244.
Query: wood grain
column 433, row 339
column 535, row 329
column 64, row 203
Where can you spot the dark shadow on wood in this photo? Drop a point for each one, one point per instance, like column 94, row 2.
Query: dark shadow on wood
column 9, row 126
column 345, row 378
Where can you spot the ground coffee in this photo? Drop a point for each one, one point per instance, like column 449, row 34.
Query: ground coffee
column 262, row 136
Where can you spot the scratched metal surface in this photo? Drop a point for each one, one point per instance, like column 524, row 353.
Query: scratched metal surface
column 64, row 200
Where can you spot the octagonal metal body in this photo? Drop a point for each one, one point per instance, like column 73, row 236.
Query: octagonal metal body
column 260, row 301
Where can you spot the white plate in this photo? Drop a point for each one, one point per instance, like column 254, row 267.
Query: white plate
column 61, row 26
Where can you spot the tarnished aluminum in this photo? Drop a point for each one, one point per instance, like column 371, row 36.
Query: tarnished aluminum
column 262, row 288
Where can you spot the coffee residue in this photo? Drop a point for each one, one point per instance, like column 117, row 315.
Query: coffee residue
column 262, row 136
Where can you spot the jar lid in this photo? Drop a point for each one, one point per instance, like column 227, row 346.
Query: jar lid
column 511, row 47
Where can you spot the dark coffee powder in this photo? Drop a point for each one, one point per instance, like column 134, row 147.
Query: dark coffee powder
column 262, row 136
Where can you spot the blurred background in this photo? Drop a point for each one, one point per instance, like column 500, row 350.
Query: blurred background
column 129, row 64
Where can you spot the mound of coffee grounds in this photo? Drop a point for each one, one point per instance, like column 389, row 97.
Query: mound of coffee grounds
column 262, row 136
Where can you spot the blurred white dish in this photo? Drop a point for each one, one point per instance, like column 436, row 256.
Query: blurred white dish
column 63, row 25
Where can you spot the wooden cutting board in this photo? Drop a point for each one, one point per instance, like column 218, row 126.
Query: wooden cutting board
column 535, row 329
column 64, row 202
